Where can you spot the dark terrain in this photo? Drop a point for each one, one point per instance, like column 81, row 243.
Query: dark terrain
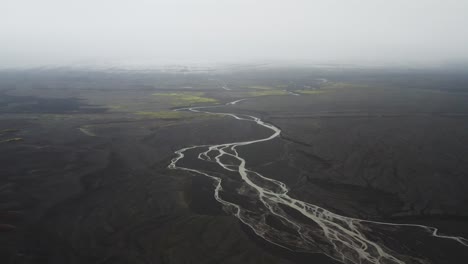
column 84, row 156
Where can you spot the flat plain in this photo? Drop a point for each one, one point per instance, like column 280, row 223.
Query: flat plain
column 84, row 158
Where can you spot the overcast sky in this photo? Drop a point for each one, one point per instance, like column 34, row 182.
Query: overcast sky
column 35, row 32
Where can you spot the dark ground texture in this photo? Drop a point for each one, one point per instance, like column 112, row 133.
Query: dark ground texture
column 83, row 177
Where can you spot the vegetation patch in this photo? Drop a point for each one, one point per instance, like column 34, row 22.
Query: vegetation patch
column 86, row 131
column 189, row 98
column 267, row 92
column 309, row 91
column 116, row 107
column 342, row 85
column 11, row 140
column 173, row 115
column 8, row 131
column 164, row 114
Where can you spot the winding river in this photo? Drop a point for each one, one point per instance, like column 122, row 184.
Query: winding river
column 264, row 205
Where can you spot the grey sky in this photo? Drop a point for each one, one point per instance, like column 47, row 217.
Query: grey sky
column 36, row 32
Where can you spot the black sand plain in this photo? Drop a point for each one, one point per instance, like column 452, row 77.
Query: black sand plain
column 84, row 155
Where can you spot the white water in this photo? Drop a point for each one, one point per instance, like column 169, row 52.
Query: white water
column 311, row 228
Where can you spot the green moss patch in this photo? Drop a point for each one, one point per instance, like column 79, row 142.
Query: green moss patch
column 267, row 92
column 163, row 114
column 180, row 99
column 309, row 91
column 10, row 140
